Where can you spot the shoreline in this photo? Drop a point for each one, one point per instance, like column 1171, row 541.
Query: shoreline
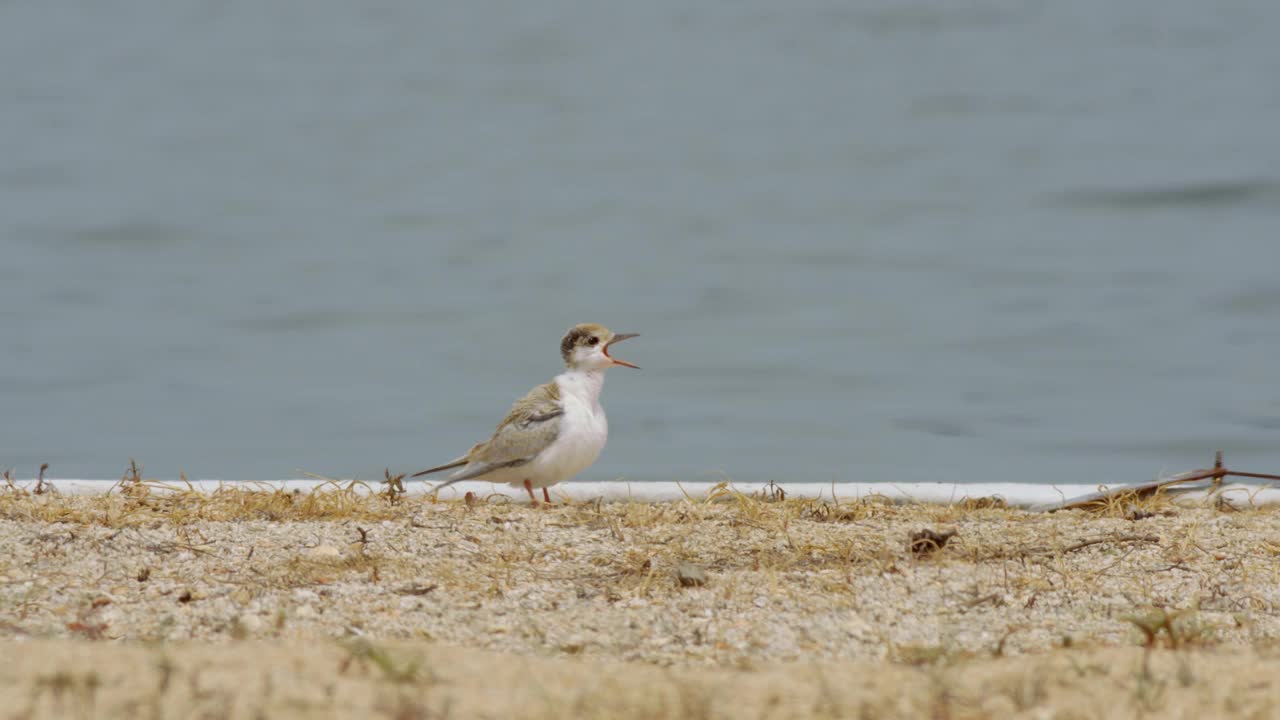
column 1250, row 494
column 699, row 589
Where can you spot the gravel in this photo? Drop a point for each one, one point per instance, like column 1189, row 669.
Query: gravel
column 725, row 583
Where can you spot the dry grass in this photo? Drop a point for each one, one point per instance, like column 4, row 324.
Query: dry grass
column 148, row 502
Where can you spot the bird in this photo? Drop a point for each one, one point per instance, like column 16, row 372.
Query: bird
column 555, row 431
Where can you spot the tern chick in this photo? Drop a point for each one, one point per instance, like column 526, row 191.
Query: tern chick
column 554, row 432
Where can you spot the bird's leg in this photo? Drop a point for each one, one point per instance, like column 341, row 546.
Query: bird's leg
column 528, row 487
column 546, row 496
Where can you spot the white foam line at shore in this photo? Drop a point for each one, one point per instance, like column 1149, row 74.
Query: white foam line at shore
column 1015, row 494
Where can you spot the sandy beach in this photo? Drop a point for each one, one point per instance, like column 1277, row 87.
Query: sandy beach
column 337, row 603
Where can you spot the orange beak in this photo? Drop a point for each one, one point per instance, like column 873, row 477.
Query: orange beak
column 619, row 337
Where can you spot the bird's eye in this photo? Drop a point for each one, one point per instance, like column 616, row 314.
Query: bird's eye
column 593, row 340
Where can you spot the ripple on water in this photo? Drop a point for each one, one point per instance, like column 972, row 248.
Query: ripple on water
column 124, row 235
column 940, row 427
column 299, row 321
column 1257, row 300
column 35, row 177
column 1199, row 195
column 1257, row 422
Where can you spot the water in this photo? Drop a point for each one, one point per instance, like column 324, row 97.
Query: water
column 898, row 241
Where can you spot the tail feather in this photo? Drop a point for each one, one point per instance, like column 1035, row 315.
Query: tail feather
column 470, row 475
column 447, row 466
column 478, row 471
column 447, row 483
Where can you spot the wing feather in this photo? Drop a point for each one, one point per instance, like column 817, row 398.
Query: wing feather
column 532, row 424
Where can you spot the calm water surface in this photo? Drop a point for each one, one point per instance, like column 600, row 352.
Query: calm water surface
column 886, row 240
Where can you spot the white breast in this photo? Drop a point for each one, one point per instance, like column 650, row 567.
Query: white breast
column 583, row 431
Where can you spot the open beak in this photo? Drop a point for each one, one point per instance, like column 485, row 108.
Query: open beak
column 617, row 338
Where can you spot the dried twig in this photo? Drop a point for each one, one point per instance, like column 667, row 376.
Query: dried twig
column 1108, row 496
column 1121, row 539
column 393, row 486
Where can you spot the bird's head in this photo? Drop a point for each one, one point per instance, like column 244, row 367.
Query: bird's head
column 586, row 347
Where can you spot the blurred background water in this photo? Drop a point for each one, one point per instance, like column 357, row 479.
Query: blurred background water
column 898, row 240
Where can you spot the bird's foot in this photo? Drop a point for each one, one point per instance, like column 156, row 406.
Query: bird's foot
column 533, row 499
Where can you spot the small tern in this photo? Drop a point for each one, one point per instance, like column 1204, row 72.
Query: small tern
column 554, row 432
